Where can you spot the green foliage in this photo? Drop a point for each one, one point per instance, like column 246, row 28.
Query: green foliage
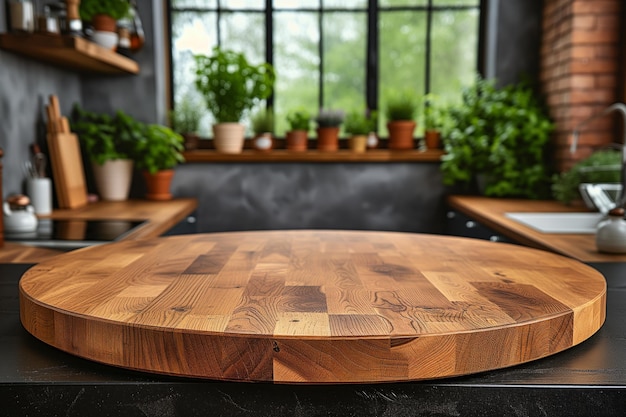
column 104, row 137
column 299, row 119
column 401, row 107
column 329, row 118
column 263, row 121
column 159, row 148
column 360, row 123
column 435, row 116
column 117, row 9
column 230, row 85
column 500, row 134
column 600, row 167
column 185, row 118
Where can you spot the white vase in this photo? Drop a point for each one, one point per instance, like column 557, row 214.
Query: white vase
column 113, row 179
column 228, row 137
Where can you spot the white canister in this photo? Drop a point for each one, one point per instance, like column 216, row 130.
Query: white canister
column 40, row 192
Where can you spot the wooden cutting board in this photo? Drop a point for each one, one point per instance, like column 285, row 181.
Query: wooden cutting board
column 67, row 169
column 312, row 306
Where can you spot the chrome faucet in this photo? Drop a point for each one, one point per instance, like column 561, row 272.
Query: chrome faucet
column 621, row 108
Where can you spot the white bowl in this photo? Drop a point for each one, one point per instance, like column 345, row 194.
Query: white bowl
column 105, row 39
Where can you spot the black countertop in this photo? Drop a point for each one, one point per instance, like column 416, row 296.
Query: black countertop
column 586, row 380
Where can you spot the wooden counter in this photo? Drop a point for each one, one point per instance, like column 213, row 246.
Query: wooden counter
column 159, row 216
column 490, row 212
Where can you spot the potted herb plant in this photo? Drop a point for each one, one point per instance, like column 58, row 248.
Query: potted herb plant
column 185, row 120
column 328, row 124
column 109, row 142
column 401, row 111
column 263, row 128
column 497, row 139
column 298, row 135
column 434, row 119
column 103, row 15
column 359, row 125
column 231, row 86
column 157, row 153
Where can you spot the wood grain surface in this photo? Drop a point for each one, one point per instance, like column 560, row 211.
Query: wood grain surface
column 312, row 306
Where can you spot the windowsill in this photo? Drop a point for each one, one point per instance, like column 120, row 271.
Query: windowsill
column 342, row 155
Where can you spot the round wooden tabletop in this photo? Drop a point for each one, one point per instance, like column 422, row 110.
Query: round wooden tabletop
column 312, row 306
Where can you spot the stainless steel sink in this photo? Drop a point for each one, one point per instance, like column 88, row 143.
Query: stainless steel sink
column 559, row 222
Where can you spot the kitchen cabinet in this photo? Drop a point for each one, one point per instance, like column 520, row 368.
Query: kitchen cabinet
column 66, row 51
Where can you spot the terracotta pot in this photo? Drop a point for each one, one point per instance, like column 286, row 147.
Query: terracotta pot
column 401, row 134
column 358, row 143
column 113, row 179
column 328, row 138
column 432, row 138
column 297, row 140
column 229, row 137
column 104, row 23
column 158, row 185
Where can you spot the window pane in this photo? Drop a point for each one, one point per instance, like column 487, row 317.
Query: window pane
column 204, row 4
column 243, row 4
column 454, row 52
column 402, row 55
column 345, row 37
column 192, row 33
column 296, row 4
column 397, row 3
column 245, row 32
column 345, row 4
column 296, row 59
column 475, row 3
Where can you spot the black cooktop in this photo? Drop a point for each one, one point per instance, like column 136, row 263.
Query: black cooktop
column 74, row 234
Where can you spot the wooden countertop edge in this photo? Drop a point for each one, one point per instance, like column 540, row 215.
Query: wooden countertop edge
column 491, row 213
column 159, row 217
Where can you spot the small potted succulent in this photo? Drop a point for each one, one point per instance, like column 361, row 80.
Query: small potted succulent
column 328, row 124
column 401, row 111
column 359, row 124
column 231, row 86
column 297, row 137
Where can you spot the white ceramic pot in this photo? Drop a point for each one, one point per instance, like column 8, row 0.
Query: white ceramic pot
column 611, row 233
column 113, row 179
column 105, row 39
column 228, row 137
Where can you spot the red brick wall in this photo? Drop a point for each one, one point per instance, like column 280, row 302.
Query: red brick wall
column 580, row 71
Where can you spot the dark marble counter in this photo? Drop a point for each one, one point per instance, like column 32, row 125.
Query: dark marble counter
column 588, row 379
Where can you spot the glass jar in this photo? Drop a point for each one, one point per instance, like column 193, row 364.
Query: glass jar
column 21, row 16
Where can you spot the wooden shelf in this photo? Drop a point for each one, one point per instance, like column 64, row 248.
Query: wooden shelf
column 69, row 52
column 281, row 155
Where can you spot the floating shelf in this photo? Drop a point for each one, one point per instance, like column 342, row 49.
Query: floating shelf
column 343, row 155
column 68, row 51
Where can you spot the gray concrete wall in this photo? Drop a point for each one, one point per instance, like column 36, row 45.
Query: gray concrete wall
column 360, row 196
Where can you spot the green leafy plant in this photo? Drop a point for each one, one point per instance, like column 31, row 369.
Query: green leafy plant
column 360, row 123
column 263, row 121
column 329, row 118
column 299, row 119
column 117, row 9
column 501, row 135
column 231, row 85
column 401, row 107
column 434, row 114
column 159, row 148
column 106, row 137
column 185, row 117
column 603, row 166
